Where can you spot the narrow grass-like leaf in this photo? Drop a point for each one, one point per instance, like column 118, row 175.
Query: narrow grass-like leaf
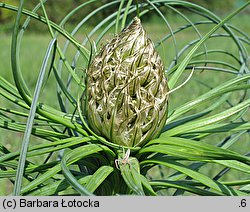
column 75, row 155
column 63, row 88
column 228, row 86
column 73, row 74
column 167, row 25
column 15, row 49
column 74, row 142
column 41, row 179
column 72, row 157
column 56, row 187
column 27, row 134
column 118, row 17
column 73, row 181
column 233, row 164
column 42, row 133
column 126, row 14
column 183, row 185
column 29, row 169
column 147, row 187
column 191, row 184
column 131, row 175
column 208, row 120
column 187, row 59
column 98, row 177
column 191, row 150
column 7, row 86
column 217, row 128
column 246, row 189
column 20, row 114
column 83, row 50
column 39, row 149
column 215, row 185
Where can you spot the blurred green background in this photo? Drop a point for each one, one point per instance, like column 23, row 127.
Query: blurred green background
column 63, row 7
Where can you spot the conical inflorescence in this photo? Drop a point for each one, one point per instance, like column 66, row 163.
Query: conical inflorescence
column 126, row 89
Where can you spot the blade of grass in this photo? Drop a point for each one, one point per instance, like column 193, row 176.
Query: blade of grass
column 191, row 150
column 73, row 181
column 39, row 132
column 228, row 86
column 208, row 120
column 75, row 155
column 183, row 185
column 233, row 164
column 126, row 13
column 147, row 186
column 56, row 187
column 98, row 177
column 46, row 148
column 187, row 59
column 217, row 186
column 131, row 175
column 27, row 134
column 15, row 63
column 72, row 157
column 217, row 128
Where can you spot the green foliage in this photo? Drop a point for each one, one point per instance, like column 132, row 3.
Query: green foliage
column 73, row 160
column 217, row 6
column 7, row 16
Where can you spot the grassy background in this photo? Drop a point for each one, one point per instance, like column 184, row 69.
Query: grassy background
column 33, row 49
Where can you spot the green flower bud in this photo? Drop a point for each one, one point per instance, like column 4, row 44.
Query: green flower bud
column 127, row 91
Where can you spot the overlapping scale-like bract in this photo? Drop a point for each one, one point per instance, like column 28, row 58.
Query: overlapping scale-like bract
column 127, row 91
